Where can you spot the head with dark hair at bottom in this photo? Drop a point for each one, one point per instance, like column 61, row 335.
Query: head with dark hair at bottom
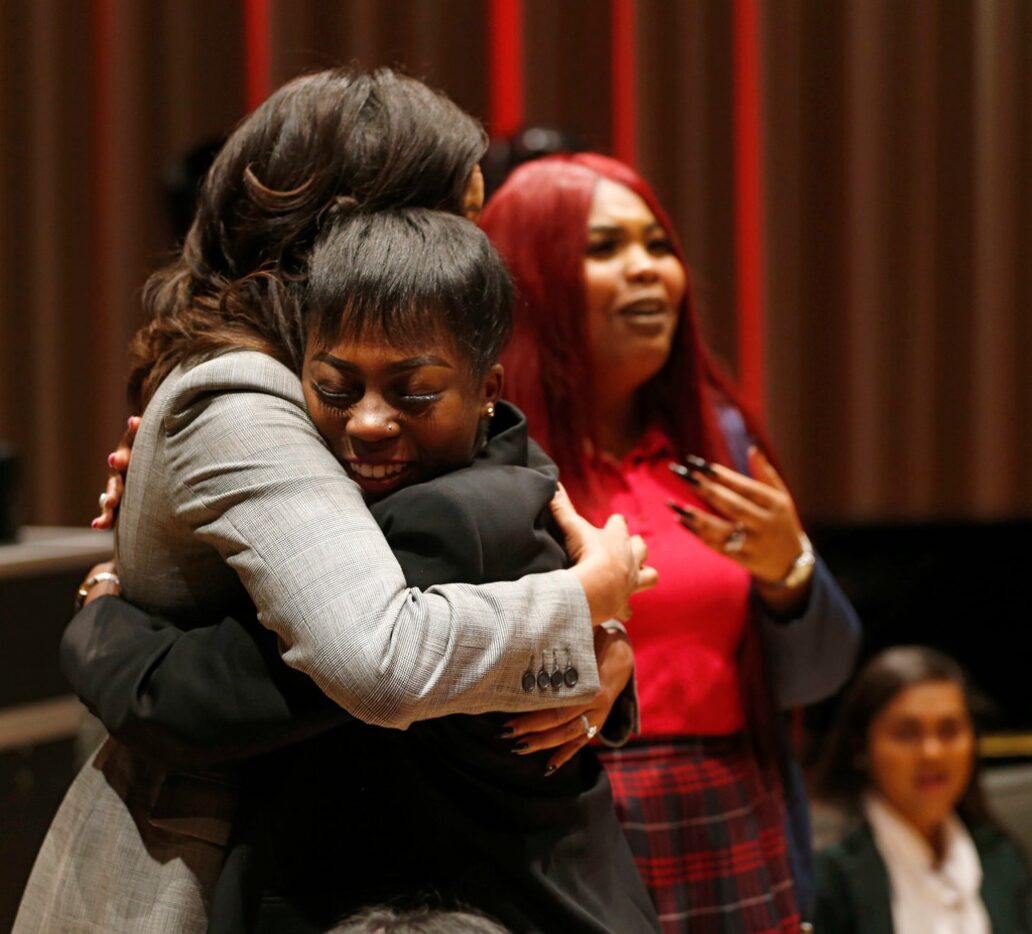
column 418, row 921
column 406, row 314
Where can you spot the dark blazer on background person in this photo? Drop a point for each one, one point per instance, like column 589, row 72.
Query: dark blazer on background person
column 807, row 659
column 854, row 893
column 444, row 809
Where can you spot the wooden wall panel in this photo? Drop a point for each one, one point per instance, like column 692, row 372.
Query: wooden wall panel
column 898, row 211
column 97, row 99
column 567, row 60
column 686, row 144
column 441, row 41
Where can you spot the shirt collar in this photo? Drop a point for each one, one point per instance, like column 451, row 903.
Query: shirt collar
column 895, row 835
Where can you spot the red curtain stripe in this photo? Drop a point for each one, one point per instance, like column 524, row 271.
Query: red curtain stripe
column 748, row 171
column 625, row 81
column 505, row 61
column 257, row 72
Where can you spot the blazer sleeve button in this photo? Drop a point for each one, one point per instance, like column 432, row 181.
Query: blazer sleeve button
column 529, row 680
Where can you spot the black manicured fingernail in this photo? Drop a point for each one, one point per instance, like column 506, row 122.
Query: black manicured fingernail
column 520, row 747
column 684, row 473
column 506, row 732
column 703, row 466
column 550, row 770
column 681, row 510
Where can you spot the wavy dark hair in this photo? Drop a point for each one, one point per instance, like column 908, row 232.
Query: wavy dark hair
column 840, row 777
column 407, row 276
column 378, row 139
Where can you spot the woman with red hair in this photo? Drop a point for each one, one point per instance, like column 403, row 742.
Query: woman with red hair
column 609, row 366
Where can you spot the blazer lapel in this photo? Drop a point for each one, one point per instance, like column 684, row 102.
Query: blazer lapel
column 870, row 884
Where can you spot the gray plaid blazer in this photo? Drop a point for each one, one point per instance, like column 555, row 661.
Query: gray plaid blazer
column 232, row 494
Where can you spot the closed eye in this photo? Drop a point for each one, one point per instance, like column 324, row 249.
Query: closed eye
column 339, row 401
column 417, row 403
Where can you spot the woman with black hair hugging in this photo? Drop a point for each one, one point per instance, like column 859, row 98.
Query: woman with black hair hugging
column 408, row 312
column 925, row 857
column 235, row 502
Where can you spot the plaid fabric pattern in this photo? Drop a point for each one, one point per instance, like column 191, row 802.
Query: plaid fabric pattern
column 707, row 834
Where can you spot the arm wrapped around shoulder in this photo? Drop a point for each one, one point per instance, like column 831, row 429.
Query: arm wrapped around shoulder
column 256, row 482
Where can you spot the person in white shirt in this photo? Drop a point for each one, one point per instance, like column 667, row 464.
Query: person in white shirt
column 926, row 856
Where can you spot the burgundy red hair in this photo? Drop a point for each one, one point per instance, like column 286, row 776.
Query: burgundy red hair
column 538, row 220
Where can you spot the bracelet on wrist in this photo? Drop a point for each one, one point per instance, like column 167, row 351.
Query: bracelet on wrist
column 87, row 585
column 801, row 569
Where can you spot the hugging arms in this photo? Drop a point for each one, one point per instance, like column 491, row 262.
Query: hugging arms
column 154, row 683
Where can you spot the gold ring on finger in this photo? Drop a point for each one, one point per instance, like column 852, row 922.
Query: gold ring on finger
column 589, row 729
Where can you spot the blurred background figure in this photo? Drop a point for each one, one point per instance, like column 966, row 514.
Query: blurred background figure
column 181, row 182
column 505, row 153
column 925, row 856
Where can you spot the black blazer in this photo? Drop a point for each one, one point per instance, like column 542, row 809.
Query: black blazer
column 444, row 812
column 853, row 892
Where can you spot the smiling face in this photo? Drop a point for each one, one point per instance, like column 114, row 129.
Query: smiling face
column 634, row 285
column 920, row 752
column 396, row 416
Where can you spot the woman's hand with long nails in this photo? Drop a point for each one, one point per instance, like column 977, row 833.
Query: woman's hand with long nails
column 563, row 728
column 755, row 521
column 118, row 466
column 609, row 562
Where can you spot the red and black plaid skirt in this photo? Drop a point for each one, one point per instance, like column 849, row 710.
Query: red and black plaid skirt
column 707, row 833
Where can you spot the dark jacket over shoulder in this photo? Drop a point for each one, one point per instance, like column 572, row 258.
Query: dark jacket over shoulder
column 443, row 812
column 854, row 894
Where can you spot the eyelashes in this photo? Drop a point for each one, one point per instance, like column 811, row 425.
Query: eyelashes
column 415, row 404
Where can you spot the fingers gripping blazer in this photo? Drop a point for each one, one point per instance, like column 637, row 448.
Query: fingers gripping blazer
column 232, row 494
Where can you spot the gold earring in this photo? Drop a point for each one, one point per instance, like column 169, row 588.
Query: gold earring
column 490, row 409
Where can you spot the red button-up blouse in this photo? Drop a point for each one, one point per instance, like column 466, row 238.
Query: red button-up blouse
column 686, row 631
